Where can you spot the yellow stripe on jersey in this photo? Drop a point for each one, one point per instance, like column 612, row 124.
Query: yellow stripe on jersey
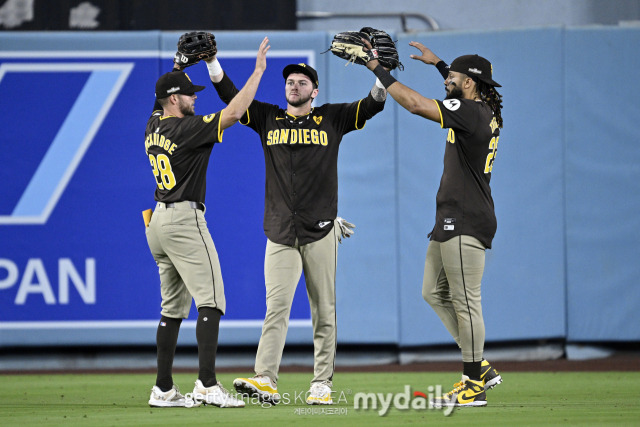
column 440, row 112
column 358, row 115
column 248, row 119
column 220, row 130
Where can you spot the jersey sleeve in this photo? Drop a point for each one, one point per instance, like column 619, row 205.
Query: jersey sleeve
column 458, row 114
column 255, row 115
column 354, row 115
column 226, row 89
column 203, row 130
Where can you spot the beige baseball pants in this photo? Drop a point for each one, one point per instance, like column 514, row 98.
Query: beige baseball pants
column 283, row 266
column 187, row 260
column 451, row 285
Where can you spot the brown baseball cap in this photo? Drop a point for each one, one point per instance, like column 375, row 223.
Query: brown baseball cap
column 474, row 66
column 175, row 82
column 305, row 69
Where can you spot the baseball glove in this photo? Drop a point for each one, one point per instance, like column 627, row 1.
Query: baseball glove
column 194, row 47
column 385, row 48
column 349, row 45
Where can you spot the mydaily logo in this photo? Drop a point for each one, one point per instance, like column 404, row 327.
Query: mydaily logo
column 74, row 137
column 406, row 400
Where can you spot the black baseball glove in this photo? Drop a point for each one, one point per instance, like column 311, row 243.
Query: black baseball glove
column 385, row 47
column 194, row 47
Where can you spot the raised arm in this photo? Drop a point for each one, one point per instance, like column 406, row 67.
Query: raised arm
column 378, row 92
column 239, row 104
column 411, row 100
column 426, row 55
column 221, row 81
column 430, row 58
column 215, row 70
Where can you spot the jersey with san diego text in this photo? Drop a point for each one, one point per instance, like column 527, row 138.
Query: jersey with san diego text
column 464, row 205
column 179, row 151
column 301, row 162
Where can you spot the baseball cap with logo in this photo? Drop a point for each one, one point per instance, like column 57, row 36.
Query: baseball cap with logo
column 474, row 66
column 305, row 69
column 175, row 82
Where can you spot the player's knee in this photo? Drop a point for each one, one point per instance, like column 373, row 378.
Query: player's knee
column 435, row 298
column 428, row 295
column 277, row 307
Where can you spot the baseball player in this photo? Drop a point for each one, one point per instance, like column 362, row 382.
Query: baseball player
column 465, row 218
column 178, row 144
column 300, row 145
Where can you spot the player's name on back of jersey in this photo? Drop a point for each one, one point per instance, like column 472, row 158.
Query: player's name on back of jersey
column 297, row 136
column 161, row 141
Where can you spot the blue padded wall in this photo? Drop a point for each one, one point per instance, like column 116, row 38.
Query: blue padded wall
column 602, row 183
column 565, row 185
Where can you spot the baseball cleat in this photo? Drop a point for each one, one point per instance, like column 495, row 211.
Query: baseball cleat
column 258, row 386
column 166, row 399
column 489, row 375
column 465, row 393
column 319, row 394
column 215, row 395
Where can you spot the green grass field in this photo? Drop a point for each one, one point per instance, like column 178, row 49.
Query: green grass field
column 567, row 398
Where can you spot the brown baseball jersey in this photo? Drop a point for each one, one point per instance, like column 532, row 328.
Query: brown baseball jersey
column 179, row 151
column 464, row 204
column 301, row 162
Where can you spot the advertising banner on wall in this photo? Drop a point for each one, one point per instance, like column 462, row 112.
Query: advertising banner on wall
column 73, row 252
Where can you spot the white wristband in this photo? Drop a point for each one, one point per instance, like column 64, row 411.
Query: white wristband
column 214, row 67
column 379, row 84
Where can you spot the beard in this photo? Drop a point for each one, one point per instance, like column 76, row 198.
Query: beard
column 301, row 100
column 454, row 93
column 186, row 109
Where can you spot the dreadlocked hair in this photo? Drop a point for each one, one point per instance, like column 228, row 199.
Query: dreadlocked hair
column 490, row 95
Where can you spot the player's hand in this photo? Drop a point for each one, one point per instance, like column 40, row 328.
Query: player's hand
column 374, row 62
column 426, row 55
column 261, row 59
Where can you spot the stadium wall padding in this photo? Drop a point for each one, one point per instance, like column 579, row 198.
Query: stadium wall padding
column 75, row 268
